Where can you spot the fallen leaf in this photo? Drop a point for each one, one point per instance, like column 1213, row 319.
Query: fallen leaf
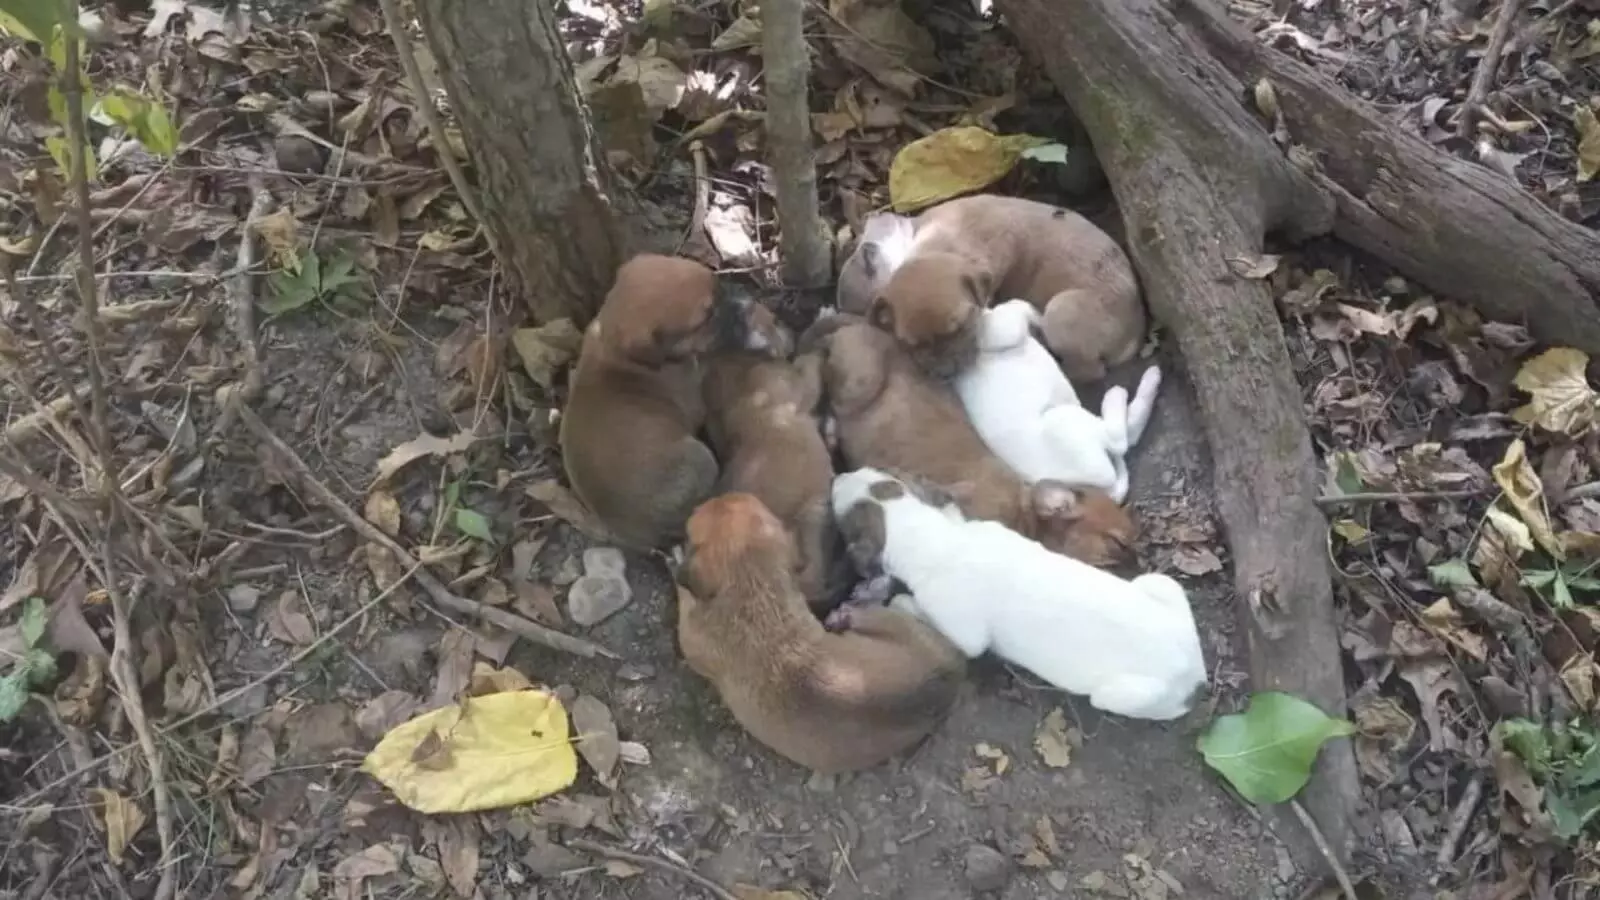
column 119, row 817
column 951, row 162
column 1525, row 493
column 596, row 738
column 547, row 349
column 422, row 445
column 1560, row 398
column 744, row 32
column 885, row 42
column 507, row 748
column 258, row 754
column 1444, row 619
column 385, row 711
column 1254, row 269
column 375, row 861
column 1053, row 741
column 659, row 79
column 487, row 679
column 1430, row 680
column 1583, row 120
column 1196, row 561
column 288, row 622
column 457, row 839
column 383, row 510
column 1266, row 752
column 455, row 653
column 280, row 232
column 564, row 505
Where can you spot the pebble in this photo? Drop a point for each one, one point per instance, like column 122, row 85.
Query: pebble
column 595, row 598
column 987, row 870
column 604, row 561
column 242, row 598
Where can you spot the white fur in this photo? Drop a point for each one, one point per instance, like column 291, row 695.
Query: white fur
column 1026, row 411
column 1130, row 646
column 895, row 235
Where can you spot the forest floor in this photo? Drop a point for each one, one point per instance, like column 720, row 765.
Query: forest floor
column 270, row 662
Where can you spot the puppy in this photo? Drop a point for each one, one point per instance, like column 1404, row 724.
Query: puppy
column 1027, row 412
column 829, row 701
column 633, row 407
column 970, row 250
column 890, row 415
column 1130, row 646
column 885, row 240
column 761, row 419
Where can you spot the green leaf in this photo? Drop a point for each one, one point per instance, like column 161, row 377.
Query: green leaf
column 474, row 525
column 60, row 152
column 1571, row 813
column 1560, row 597
column 157, row 133
column 13, row 695
column 289, row 293
column 1538, row 578
column 1452, row 573
column 1047, row 153
column 1266, row 752
column 1584, row 583
column 29, row 19
column 33, row 621
column 40, row 666
column 1586, row 772
column 1345, row 474
column 1530, row 741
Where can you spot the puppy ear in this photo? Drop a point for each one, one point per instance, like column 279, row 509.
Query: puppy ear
column 979, row 286
column 871, row 258
column 864, row 532
column 1055, row 500
column 882, row 314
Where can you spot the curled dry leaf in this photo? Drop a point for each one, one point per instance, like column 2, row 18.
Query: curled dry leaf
column 597, row 738
column 885, row 42
column 374, row 862
column 1445, row 620
column 951, row 162
column 547, row 349
column 564, row 505
column 504, row 749
column 422, row 445
column 1560, row 398
column 1525, row 493
column 383, row 510
column 119, row 817
column 1054, row 741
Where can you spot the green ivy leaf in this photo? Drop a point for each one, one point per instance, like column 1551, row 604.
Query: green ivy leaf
column 13, row 695
column 29, row 19
column 1530, row 742
column 1266, row 752
column 1452, row 573
column 1571, row 813
column 33, row 622
column 289, row 293
column 40, row 666
column 474, row 525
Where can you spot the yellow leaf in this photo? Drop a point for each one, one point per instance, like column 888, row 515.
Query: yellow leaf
column 1351, row 530
column 486, row 679
column 1560, row 397
column 1525, row 493
column 951, row 162
column 120, row 817
column 497, row 750
column 1583, row 119
column 280, row 232
column 1052, row 741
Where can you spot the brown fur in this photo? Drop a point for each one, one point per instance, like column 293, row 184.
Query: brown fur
column 973, row 251
column 830, row 702
column 892, row 416
column 634, row 405
column 761, row 419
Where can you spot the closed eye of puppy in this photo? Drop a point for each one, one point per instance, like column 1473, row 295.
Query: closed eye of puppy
column 761, row 419
column 832, row 702
column 968, row 251
column 890, row 415
column 1130, row 646
column 634, row 406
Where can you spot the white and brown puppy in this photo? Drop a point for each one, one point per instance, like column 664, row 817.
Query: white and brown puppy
column 967, row 252
column 885, row 241
column 634, row 406
column 832, row 702
column 1131, row 647
column 889, row 414
column 761, row 419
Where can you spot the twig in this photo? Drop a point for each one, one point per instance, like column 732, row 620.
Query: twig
column 1459, row 819
column 807, row 259
column 599, row 849
column 702, row 191
column 109, row 276
column 242, row 306
column 122, row 670
column 441, row 595
column 1488, row 67
column 430, row 117
column 1328, row 856
column 1386, row 496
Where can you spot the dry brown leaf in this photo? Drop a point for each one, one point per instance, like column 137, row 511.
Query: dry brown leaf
column 659, row 79
column 383, row 510
column 385, row 711
column 1581, row 676
column 373, row 862
column 487, row 679
column 455, row 667
column 258, row 754
column 288, row 622
column 422, row 445
column 1525, row 493
column 1195, row 560
column 1445, row 620
column 564, row 505
column 1560, row 398
column 885, row 42
column 547, row 349
column 1588, row 128
column 79, row 698
column 279, row 231
column 596, row 738
column 119, row 817
column 1053, row 741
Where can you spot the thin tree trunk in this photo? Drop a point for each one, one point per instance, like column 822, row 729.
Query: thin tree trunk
column 807, row 259
column 543, row 183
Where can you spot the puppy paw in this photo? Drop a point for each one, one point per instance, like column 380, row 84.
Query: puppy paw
column 839, row 620
column 874, row 591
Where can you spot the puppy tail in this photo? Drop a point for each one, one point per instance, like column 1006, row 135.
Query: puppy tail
column 1114, row 416
column 1143, row 404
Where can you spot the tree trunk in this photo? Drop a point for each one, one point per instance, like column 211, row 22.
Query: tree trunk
column 542, row 180
column 807, row 258
column 1199, row 182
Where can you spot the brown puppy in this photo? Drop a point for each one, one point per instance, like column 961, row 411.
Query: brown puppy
column 634, row 405
column 832, row 702
column 972, row 251
column 761, row 419
column 892, row 416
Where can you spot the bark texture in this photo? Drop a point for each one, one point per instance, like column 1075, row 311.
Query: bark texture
column 807, row 259
column 542, row 181
column 1199, row 181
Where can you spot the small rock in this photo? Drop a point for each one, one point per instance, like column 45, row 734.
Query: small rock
column 595, row 598
column 297, row 154
column 242, row 598
column 604, row 561
column 986, row 868
column 1286, row 868
column 821, row 783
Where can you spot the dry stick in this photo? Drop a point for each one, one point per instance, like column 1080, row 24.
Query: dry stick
column 1459, row 819
column 1383, row 496
column 1488, row 67
column 599, row 849
column 1328, row 856
column 441, row 595
column 807, row 259
column 242, row 299
column 127, row 680
column 430, row 117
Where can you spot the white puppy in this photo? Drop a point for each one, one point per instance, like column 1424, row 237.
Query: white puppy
column 1027, row 412
column 1130, row 646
